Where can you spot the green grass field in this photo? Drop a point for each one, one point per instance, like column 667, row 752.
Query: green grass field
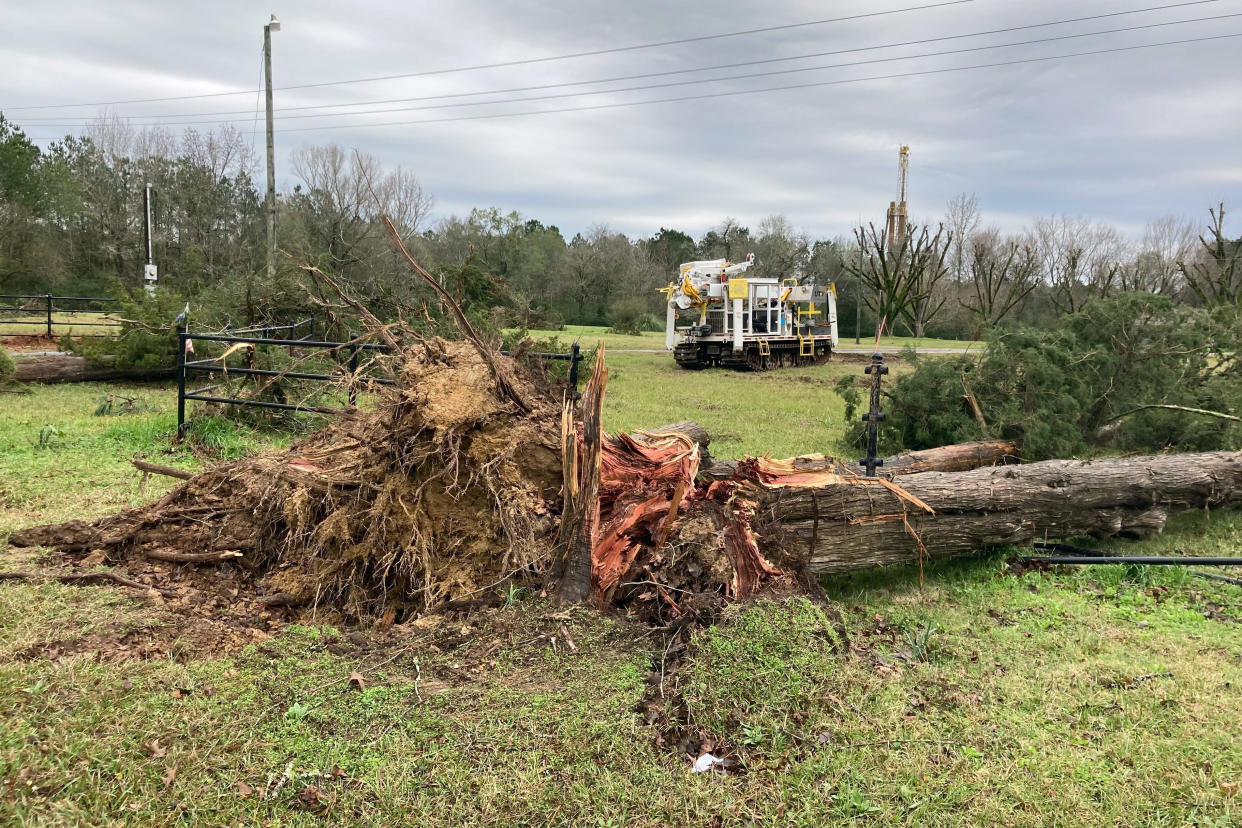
column 1096, row 697
column 591, row 335
column 74, row 324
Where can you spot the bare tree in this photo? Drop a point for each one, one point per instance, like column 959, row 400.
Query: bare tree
column 725, row 240
column 347, row 194
column 1003, row 273
column 1167, row 242
column 782, row 252
column 1215, row 275
column 1078, row 259
column 962, row 218
column 903, row 278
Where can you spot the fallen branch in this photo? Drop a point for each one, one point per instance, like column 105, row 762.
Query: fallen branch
column 167, row 471
column 84, row 577
column 959, row 457
column 189, row 557
column 1203, row 411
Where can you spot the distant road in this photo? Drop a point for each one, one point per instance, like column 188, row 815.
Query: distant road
column 863, row 351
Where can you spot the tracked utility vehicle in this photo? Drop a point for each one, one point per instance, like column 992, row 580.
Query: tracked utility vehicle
column 718, row 316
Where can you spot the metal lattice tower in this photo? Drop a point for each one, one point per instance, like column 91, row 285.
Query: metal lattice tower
column 897, row 209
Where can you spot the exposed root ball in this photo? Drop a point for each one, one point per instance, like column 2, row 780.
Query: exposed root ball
column 441, row 490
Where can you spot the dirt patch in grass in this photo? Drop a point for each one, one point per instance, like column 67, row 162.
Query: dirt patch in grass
column 182, row 639
column 21, row 344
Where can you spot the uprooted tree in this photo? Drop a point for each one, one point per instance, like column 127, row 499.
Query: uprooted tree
column 475, row 469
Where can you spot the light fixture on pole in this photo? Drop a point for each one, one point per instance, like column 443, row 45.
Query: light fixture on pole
column 270, row 202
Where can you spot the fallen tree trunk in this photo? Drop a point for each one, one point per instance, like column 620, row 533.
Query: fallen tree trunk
column 834, row 523
column 51, row 368
column 959, row 457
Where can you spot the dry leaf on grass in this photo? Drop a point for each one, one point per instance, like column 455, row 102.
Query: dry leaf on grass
column 356, row 678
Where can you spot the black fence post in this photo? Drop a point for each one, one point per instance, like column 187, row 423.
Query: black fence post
column 311, row 333
column 182, row 335
column 49, row 315
column 874, row 416
column 353, row 369
column 574, row 359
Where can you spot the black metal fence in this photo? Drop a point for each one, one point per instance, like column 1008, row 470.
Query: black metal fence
column 269, row 331
column 44, row 307
column 352, row 347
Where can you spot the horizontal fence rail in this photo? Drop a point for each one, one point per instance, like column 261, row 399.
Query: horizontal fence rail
column 353, row 347
column 269, row 331
column 45, row 306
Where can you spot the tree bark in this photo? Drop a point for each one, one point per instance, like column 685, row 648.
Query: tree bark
column 959, row 457
column 852, row 524
column 65, row 368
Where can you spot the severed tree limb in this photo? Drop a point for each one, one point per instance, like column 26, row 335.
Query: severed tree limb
column 958, row 457
column 371, row 320
column 155, row 468
column 459, row 316
column 1203, row 411
column 189, row 557
column 83, row 578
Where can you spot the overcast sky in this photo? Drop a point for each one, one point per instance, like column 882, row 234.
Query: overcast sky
column 1122, row 137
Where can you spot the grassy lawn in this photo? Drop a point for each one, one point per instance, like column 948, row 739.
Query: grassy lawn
column 590, row 335
column 62, row 323
column 786, row 412
column 1106, row 696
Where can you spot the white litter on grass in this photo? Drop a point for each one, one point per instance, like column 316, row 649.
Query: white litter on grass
column 705, row 763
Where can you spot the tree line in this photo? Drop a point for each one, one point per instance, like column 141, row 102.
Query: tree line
column 71, row 223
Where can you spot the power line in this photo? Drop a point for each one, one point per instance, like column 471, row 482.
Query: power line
column 745, row 76
column 522, row 62
column 731, row 93
column 773, row 88
column 734, row 65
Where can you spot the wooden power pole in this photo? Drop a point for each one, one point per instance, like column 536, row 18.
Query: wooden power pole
column 270, row 201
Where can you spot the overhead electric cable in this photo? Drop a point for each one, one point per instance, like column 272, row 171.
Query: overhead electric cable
column 745, row 76
column 528, row 61
column 733, row 65
column 838, row 82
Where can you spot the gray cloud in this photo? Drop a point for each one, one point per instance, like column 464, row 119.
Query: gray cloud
column 1122, row 138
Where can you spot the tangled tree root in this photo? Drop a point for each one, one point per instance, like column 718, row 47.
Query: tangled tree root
column 442, row 489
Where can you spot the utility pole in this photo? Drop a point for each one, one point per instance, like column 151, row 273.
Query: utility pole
column 858, row 294
column 858, row 289
column 149, row 272
column 270, row 203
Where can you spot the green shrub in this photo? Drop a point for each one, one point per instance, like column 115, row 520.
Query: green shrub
column 629, row 316
column 148, row 337
column 1081, row 385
